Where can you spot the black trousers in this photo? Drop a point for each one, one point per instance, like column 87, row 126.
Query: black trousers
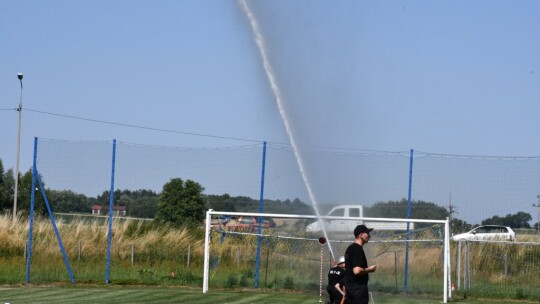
column 357, row 293
column 334, row 295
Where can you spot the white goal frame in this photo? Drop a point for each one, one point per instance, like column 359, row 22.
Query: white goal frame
column 447, row 292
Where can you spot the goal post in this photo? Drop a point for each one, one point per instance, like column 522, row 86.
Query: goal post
column 230, row 242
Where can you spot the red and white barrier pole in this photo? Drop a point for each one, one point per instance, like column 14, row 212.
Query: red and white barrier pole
column 322, row 241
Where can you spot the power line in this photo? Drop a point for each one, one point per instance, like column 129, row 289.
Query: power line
column 140, row 127
column 340, row 149
column 345, row 150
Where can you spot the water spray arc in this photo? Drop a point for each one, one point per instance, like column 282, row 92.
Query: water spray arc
column 259, row 40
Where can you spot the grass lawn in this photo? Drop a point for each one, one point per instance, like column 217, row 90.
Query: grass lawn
column 144, row 294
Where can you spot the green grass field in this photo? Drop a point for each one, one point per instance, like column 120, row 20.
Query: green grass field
column 144, row 294
column 149, row 266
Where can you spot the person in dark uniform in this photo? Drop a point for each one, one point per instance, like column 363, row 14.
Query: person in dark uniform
column 335, row 275
column 357, row 271
column 341, row 288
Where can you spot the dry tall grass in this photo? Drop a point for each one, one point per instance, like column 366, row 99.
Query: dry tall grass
column 12, row 237
column 91, row 237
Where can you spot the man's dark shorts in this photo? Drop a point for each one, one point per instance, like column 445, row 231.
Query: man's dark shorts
column 357, row 293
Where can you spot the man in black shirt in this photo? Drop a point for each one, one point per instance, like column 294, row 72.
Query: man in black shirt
column 334, row 276
column 357, row 267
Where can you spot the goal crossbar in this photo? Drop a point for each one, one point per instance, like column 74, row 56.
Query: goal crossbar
column 325, row 217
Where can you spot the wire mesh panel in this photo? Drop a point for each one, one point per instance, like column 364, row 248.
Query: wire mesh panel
column 469, row 188
column 477, row 187
column 291, row 263
column 232, row 170
column 499, row 268
column 79, row 166
column 338, row 177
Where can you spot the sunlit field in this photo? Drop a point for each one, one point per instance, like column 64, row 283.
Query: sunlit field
column 158, row 295
column 161, row 264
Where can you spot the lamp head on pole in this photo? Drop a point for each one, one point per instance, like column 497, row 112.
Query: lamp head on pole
column 20, row 76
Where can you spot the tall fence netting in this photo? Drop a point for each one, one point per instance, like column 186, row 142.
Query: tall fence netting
column 476, row 187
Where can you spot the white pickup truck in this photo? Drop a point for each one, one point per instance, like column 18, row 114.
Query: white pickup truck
column 347, row 226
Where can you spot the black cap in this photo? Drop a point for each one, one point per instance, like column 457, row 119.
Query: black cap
column 361, row 228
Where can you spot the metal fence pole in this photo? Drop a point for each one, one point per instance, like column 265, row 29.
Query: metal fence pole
column 505, row 264
column 237, row 257
column 259, row 219
column 188, row 255
column 409, row 208
column 466, row 266
column 111, row 204
column 458, row 265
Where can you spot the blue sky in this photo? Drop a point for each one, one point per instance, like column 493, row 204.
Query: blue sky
column 446, row 77
column 452, row 77
column 184, row 66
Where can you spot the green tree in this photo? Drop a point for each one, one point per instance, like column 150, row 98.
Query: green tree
column 145, row 207
column 6, row 190
column 222, row 202
column 518, row 220
column 139, row 203
column 226, row 202
column 25, row 192
column 459, row 226
column 7, row 187
column 419, row 210
column 103, row 199
column 398, row 209
column 181, row 203
column 68, row 201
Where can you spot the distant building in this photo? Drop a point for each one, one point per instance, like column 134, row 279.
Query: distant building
column 104, row 210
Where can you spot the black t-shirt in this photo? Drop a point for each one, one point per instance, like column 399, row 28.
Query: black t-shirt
column 335, row 274
column 356, row 257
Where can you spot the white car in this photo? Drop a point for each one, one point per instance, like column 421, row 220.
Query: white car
column 487, row 233
column 337, row 224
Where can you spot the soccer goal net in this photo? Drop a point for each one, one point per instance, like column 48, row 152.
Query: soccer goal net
column 496, row 268
column 278, row 251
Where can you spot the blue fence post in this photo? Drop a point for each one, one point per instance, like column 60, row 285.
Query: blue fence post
column 111, row 204
column 35, row 177
column 31, row 226
column 53, row 222
column 261, row 210
column 409, row 207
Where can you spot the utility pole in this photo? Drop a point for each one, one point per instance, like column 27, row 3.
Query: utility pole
column 537, row 205
column 19, row 109
column 451, row 208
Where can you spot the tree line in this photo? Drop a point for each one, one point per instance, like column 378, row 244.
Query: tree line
column 183, row 203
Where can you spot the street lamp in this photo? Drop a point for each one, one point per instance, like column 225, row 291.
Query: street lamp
column 538, row 206
column 19, row 109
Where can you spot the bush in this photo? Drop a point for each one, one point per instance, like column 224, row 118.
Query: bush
column 232, row 281
column 288, row 283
